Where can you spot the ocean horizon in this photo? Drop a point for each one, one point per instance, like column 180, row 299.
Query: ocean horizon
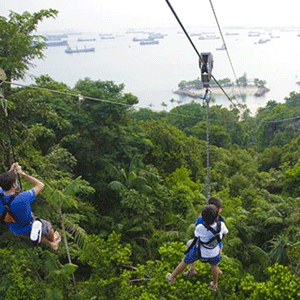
column 153, row 72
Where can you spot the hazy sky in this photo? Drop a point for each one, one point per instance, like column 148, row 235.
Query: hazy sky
column 106, row 15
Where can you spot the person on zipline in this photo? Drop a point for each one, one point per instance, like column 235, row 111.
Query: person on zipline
column 218, row 203
column 15, row 207
column 207, row 246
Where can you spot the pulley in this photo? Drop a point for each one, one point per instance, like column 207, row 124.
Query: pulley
column 206, row 66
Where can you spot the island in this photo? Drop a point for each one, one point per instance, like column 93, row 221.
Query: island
column 194, row 88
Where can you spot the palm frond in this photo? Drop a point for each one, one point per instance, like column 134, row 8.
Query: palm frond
column 112, row 170
column 78, row 233
column 279, row 245
column 73, row 187
column 131, row 176
column 172, row 235
column 51, row 262
column 68, row 269
column 135, row 162
column 57, row 198
column 273, row 221
column 260, row 255
column 145, row 188
column 117, row 186
column 138, row 181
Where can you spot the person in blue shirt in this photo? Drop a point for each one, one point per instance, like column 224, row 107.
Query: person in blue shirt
column 206, row 246
column 218, row 203
column 20, row 217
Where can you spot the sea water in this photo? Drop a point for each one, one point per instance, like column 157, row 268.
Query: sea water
column 153, row 72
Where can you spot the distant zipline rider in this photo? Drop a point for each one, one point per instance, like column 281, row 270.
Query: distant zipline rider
column 15, row 209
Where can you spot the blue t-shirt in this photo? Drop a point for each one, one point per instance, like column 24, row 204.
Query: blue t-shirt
column 21, row 210
column 201, row 221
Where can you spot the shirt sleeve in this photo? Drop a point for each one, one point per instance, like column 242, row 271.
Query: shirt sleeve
column 224, row 228
column 199, row 221
column 198, row 230
column 28, row 195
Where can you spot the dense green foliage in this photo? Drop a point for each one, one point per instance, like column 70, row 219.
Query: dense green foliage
column 125, row 187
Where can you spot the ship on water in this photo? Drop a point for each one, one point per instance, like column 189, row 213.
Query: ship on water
column 57, row 43
column 86, row 40
column 69, row 50
column 149, row 42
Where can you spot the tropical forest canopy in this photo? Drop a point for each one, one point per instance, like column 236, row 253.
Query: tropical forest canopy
column 125, row 186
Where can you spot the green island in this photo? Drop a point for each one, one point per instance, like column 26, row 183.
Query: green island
column 194, row 88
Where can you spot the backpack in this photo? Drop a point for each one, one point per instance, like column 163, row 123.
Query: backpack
column 211, row 244
column 7, row 216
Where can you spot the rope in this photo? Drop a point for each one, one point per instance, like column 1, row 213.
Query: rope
column 206, row 98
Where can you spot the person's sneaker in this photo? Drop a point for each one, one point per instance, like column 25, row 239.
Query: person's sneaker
column 170, row 278
column 190, row 272
column 213, row 287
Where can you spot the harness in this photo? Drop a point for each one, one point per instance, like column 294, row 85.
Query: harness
column 8, row 216
column 211, row 244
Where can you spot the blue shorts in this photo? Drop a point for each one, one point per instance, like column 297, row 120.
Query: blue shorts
column 192, row 256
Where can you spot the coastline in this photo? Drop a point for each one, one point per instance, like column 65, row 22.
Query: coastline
column 230, row 90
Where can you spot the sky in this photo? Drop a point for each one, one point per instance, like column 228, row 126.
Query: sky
column 108, row 15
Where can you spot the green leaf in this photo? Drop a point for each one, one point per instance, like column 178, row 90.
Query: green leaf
column 68, row 269
column 117, row 186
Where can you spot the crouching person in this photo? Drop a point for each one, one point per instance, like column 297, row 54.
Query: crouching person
column 15, row 209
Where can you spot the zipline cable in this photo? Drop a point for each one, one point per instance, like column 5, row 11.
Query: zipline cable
column 129, row 105
column 223, row 39
column 199, row 55
column 93, row 99
column 4, row 106
column 182, row 27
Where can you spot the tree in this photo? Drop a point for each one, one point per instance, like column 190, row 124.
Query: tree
column 293, row 101
column 259, row 82
column 225, row 82
column 19, row 46
column 242, row 81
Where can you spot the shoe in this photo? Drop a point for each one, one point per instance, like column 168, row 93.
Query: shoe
column 36, row 232
column 170, row 278
column 213, row 287
column 190, row 272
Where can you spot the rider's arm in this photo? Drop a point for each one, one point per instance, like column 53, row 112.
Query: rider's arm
column 38, row 186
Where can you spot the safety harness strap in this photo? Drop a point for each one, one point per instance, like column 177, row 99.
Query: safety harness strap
column 216, row 233
column 216, row 236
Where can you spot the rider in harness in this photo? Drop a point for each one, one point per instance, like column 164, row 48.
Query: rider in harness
column 15, row 209
column 206, row 246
